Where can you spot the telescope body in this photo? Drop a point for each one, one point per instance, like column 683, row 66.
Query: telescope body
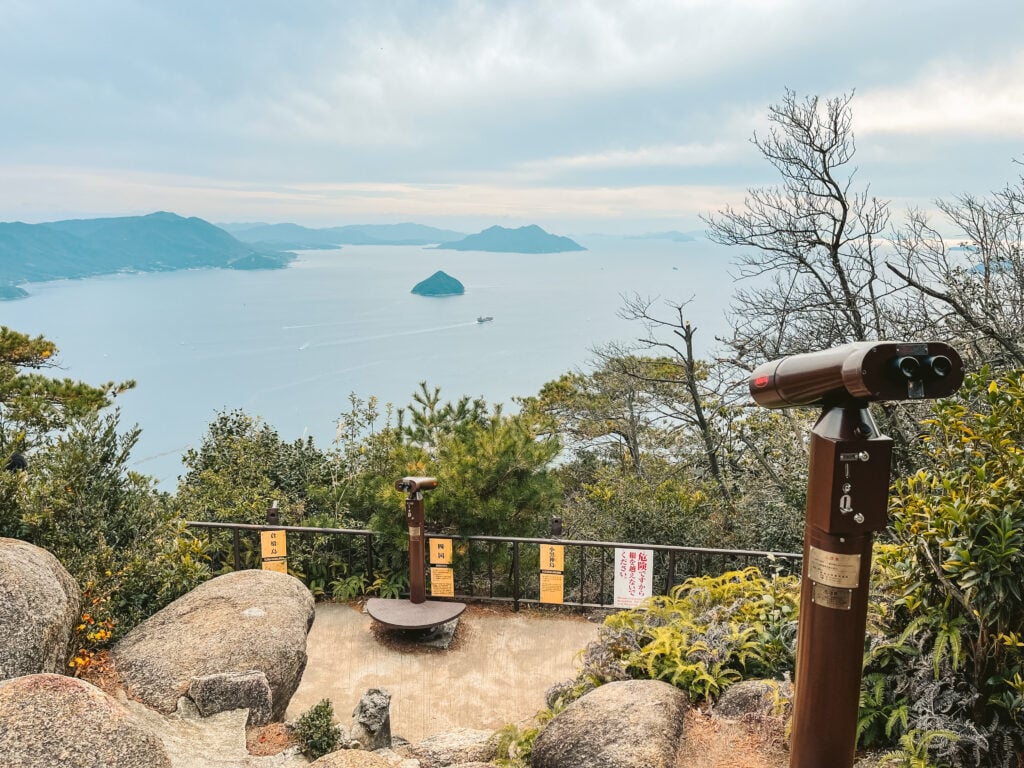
column 860, row 372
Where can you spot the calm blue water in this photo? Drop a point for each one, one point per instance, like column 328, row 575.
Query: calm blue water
column 290, row 345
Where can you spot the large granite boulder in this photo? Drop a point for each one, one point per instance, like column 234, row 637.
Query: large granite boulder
column 52, row 720
column 39, row 605
column 237, row 623
column 626, row 724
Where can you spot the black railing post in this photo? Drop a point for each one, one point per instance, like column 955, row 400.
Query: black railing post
column 236, row 546
column 515, row 575
column 670, row 580
column 369, row 558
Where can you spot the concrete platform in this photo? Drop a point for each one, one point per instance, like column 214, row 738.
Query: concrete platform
column 405, row 614
column 496, row 671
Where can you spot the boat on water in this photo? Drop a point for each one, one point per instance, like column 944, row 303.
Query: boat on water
column 483, row 319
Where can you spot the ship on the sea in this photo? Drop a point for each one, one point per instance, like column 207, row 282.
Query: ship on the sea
column 483, row 319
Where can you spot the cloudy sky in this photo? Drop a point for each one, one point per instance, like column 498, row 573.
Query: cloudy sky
column 617, row 116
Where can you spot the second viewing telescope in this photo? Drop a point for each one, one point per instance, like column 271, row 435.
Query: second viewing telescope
column 860, row 372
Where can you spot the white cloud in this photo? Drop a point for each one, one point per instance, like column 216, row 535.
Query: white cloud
column 950, row 98
column 31, row 188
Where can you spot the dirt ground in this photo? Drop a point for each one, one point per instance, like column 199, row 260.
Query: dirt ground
column 495, row 672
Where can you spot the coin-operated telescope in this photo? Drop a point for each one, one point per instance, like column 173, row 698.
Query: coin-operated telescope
column 417, row 612
column 847, row 500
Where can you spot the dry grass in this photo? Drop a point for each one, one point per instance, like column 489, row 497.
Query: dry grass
column 718, row 743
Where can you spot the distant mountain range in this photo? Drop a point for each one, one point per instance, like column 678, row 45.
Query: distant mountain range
column 86, row 247
column 294, row 237
column 531, row 239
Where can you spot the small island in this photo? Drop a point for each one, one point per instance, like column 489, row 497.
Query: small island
column 531, row 239
column 439, row 284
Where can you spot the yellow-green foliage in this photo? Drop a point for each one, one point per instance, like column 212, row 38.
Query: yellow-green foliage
column 711, row 632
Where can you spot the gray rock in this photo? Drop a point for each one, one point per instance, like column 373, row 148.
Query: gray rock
column 626, row 724
column 371, row 720
column 242, row 621
column 463, row 745
column 772, row 698
column 39, row 605
column 352, row 758
column 225, row 691
column 52, row 720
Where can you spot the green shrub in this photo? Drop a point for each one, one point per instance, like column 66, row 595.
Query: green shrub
column 316, row 731
column 708, row 634
column 953, row 660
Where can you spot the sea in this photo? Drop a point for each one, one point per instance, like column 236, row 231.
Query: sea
column 290, row 345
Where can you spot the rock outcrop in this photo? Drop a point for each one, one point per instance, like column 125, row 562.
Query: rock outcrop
column 226, row 691
column 626, row 724
column 240, row 622
column 756, row 697
column 463, row 745
column 352, row 758
column 371, row 720
column 39, row 605
column 52, row 720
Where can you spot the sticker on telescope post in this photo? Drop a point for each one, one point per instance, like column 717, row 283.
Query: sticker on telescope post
column 761, row 382
column 831, row 597
column 833, row 569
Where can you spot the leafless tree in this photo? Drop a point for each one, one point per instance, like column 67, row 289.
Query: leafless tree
column 814, row 265
column 972, row 293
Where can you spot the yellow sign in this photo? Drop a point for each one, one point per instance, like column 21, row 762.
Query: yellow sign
column 440, row 551
column 281, row 566
column 552, row 557
column 442, row 582
column 274, row 544
column 552, row 588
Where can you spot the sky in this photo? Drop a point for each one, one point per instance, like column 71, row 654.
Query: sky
column 618, row 116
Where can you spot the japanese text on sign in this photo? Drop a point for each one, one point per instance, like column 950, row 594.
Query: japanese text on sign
column 633, row 576
column 440, row 551
column 442, row 582
column 273, row 544
column 552, row 588
column 552, row 557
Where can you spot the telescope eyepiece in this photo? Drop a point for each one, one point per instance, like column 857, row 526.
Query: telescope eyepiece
column 907, row 367
column 940, row 366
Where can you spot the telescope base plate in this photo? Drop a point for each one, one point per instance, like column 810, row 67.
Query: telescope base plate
column 405, row 614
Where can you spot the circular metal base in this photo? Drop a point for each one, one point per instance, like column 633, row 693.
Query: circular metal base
column 404, row 614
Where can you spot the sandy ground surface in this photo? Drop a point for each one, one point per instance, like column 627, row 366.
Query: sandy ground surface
column 495, row 673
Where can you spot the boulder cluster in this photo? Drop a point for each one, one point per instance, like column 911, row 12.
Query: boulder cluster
column 231, row 653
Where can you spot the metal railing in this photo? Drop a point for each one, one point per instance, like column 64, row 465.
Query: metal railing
column 507, row 568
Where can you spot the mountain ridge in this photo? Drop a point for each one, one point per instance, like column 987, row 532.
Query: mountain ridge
column 528, row 239
column 157, row 242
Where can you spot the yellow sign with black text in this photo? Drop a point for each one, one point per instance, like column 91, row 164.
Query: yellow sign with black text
column 280, row 565
column 274, row 544
column 552, row 588
column 442, row 582
column 440, row 551
column 552, row 557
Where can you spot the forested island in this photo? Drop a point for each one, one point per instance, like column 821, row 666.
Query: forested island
column 159, row 242
column 530, row 239
column 439, row 284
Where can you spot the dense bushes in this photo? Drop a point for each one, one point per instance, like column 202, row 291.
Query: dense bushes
column 954, row 662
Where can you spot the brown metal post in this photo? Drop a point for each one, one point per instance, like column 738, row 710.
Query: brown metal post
column 847, row 495
column 414, row 517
